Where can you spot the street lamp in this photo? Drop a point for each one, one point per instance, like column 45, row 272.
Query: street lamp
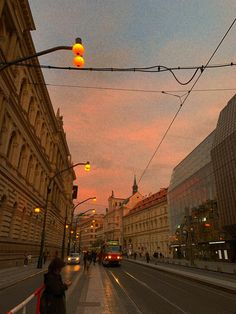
column 40, row 259
column 77, row 48
column 72, row 216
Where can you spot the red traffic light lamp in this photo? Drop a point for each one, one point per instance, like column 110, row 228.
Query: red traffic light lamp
column 78, row 50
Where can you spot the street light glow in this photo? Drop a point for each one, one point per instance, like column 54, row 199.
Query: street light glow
column 37, row 210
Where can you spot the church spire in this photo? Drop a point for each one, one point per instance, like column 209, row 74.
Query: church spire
column 135, row 186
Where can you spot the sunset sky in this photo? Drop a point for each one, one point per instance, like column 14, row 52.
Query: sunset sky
column 116, row 120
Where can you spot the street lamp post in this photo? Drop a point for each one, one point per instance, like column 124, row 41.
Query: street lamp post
column 78, row 52
column 87, row 168
column 72, row 216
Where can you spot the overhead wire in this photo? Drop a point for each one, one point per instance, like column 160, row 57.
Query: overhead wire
column 134, row 89
column 184, row 100
column 150, row 69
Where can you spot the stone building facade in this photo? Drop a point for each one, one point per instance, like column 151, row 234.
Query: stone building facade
column 117, row 209
column 33, row 146
column 146, row 226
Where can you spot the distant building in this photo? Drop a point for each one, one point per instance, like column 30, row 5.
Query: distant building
column 33, row 146
column 146, row 226
column 118, row 207
column 87, row 228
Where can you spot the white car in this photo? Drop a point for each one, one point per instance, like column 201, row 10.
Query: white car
column 73, row 258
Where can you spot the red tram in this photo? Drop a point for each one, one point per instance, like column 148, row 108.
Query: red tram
column 111, row 253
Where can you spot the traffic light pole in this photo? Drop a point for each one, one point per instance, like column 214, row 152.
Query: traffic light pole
column 38, row 54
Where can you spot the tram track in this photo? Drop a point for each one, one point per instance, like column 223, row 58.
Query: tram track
column 144, row 290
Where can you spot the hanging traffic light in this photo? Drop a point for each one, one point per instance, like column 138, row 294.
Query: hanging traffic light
column 78, row 50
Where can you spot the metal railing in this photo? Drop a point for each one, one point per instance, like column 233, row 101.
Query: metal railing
column 23, row 305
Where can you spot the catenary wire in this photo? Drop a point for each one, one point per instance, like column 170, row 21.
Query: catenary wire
column 152, row 69
column 184, row 100
column 133, row 89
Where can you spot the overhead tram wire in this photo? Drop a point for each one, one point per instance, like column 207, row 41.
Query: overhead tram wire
column 183, row 102
column 150, row 69
column 135, row 90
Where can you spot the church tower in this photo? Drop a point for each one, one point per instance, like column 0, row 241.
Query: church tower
column 135, row 186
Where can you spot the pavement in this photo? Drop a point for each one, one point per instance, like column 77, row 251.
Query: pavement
column 11, row 276
column 218, row 279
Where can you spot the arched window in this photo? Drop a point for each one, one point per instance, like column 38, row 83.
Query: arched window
column 31, row 111
column 23, row 96
column 37, row 123
column 36, row 177
column 30, row 169
column 22, row 159
column 3, row 131
column 12, row 146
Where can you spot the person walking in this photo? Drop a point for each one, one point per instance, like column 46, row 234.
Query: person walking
column 53, row 297
column 85, row 259
column 147, row 257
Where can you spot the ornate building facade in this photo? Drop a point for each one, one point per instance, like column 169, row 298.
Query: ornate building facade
column 117, row 209
column 33, row 146
column 146, row 226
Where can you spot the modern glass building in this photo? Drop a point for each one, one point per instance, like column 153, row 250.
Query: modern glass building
column 224, row 164
column 192, row 183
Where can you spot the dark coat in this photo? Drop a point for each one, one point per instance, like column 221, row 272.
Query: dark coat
column 53, row 297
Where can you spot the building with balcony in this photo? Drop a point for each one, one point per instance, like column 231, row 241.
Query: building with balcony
column 33, row 146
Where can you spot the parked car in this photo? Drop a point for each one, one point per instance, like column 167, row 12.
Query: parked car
column 73, row 258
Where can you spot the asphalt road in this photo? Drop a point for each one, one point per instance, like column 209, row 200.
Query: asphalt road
column 144, row 290
column 131, row 289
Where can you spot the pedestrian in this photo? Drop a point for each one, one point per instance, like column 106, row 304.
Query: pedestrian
column 94, row 257
column 53, row 297
column 85, row 260
column 155, row 255
column 26, row 261
column 147, row 257
column 135, row 255
column 89, row 260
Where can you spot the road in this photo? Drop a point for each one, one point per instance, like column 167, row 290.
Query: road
column 131, row 288
column 147, row 290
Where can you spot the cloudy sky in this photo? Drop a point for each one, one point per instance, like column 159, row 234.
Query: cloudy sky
column 116, row 120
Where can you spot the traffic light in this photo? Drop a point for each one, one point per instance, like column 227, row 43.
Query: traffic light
column 75, row 192
column 78, row 50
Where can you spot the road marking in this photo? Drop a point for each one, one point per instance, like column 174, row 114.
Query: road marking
column 149, row 288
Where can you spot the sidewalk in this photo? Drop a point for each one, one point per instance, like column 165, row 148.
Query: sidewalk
column 13, row 275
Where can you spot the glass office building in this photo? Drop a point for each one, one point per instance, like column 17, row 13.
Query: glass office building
column 224, row 164
column 192, row 183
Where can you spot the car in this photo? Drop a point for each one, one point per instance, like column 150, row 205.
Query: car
column 73, row 258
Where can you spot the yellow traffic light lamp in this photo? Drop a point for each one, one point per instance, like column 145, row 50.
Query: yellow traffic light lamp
column 78, row 50
column 87, row 167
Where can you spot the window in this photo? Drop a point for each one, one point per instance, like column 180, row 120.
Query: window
column 22, row 159
column 11, row 151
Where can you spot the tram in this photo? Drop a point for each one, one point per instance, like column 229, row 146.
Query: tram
column 111, row 253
